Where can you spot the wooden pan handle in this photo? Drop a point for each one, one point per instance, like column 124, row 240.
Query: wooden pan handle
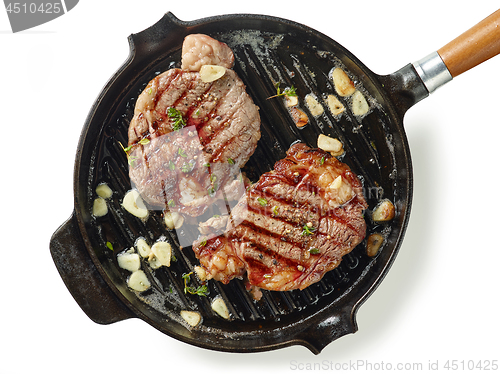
column 474, row 46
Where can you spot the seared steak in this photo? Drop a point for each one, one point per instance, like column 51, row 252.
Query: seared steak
column 292, row 226
column 188, row 138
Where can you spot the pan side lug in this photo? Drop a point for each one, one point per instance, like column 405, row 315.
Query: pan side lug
column 151, row 41
column 156, row 32
column 320, row 334
column 82, row 278
column 405, row 88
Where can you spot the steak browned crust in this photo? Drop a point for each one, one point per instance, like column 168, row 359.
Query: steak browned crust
column 189, row 138
column 292, row 226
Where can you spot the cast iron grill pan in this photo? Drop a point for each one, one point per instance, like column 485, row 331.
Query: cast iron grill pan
column 267, row 50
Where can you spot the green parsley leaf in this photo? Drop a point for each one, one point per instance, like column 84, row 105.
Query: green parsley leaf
column 314, row 251
column 187, row 167
column 307, row 230
column 131, row 160
column 289, row 91
column 110, row 246
column 230, row 161
column 177, row 120
column 200, row 290
column 262, row 201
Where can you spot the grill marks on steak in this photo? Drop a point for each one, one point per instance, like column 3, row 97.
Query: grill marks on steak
column 186, row 169
column 292, row 226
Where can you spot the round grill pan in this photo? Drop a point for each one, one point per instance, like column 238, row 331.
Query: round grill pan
column 267, row 50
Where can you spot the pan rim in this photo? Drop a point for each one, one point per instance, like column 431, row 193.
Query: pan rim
column 352, row 307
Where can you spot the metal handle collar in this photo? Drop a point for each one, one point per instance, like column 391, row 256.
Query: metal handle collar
column 432, row 71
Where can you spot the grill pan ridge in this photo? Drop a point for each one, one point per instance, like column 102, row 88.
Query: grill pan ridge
column 267, row 50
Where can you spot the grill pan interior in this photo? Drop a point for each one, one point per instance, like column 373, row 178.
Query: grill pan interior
column 267, row 51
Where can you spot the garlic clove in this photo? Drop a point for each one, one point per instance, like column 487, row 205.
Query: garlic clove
column 384, row 211
column 163, row 252
column 129, row 261
column 373, row 244
column 220, row 307
column 154, row 263
column 334, row 104
column 103, row 191
column 138, row 281
column 192, row 318
column 210, row 73
column 359, row 104
column 99, row 207
column 313, row 105
column 201, row 273
column 291, row 101
column 332, row 145
column 173, row 220
column 133, row 203
column 143, row 247
column 337, row 183
column 343, row 84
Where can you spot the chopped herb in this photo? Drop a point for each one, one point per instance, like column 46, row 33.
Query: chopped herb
column 125, row 149
column 322, row 161
column 150, row 91
column 110, row 246
column 307, row 230
column 212, row 190
column 267, row 275
column 207, row 164
column 314, row 251
column 203, row 243
column 171, row 165
column 216, row 215
column 131, row 160
column 187, row 277
column 213, row 178
column 187, row 167
column 230, row 161
column 200, row 290
column 171, row 203
column 181, row 153
column 176, row 116
column 275, row 210
column 262, row 201
column 289, row 91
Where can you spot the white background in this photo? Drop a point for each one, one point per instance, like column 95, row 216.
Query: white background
column 439, row 301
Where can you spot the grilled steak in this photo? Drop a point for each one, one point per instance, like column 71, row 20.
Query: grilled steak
column 189, row 138
column 292, row 226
